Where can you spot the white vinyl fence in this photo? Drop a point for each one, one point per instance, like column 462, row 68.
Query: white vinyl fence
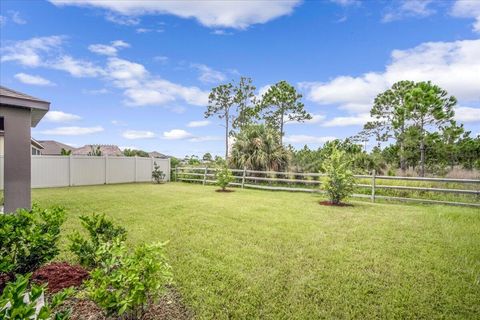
column 63, row 171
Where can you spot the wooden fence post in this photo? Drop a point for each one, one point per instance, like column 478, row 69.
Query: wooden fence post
column 205, row 176
column 373, row 185
column 243, row 177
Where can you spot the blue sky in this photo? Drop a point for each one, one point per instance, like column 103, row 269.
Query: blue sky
column 137, row 73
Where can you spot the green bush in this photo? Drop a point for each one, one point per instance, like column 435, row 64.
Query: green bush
column 101, row 230
column 224, row 177
column 339, row 182
column 127, row 283
column 28, row 239
column 19, row 301
column 157, row 175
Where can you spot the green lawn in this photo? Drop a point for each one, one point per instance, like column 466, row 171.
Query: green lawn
column 277, row 255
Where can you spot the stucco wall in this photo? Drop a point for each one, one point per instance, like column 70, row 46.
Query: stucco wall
column 17, row 158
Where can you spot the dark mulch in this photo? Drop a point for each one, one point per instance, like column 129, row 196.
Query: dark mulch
column 4, row 279
column 329, row 203
column 60, row 275
column 169, row 307
column 226, row 190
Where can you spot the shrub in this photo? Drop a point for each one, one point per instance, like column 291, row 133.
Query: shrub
column 157, row 175
column 339, row 180
column 29, row 238
column 18, row 301
column 127, row 283
column 224, row 177
column 101, row 230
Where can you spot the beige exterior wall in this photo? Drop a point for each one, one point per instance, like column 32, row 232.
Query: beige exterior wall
column 1, row 145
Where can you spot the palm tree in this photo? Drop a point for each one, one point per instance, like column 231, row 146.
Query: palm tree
column 258, row 147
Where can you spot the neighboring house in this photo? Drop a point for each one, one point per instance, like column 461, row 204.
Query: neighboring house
column 53, row 148
column 106, row 149
column 155, row 154
column 36, row 146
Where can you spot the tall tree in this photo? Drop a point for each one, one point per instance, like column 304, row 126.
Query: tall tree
column 428, row 107
column 389, row 112
column 281, row 104
column 207, row 157
column 220, row 101
column 245, row 103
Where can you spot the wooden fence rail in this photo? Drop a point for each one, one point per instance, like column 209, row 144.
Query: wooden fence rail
column 206, row 175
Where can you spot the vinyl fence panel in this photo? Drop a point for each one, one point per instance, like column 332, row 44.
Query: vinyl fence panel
column 50, row 171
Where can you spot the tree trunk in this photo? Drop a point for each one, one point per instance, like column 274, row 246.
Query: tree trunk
column 226, row 135
column 402, row 150
column 422, row 157
column 281, row 130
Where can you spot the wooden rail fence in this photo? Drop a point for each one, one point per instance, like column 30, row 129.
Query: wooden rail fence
column 256, row 179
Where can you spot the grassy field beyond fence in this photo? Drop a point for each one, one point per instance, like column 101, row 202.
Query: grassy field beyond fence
column 254, row 254
column 441, row 190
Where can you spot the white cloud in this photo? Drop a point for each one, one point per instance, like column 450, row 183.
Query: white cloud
column 120, row 44
column 60, row 116
column 220, row 32
column 30, row 52
column 143, row 30
column 409, row 8
column 77, row 68
column 161, row 59
column 346, row 89
column 300, row 139
column 15, row 16
column 124, row 73
column 316, row 118
column 72, row 131
column 108, row 50
column 452, row 65
column 205, row 139
column 122, row 20
column 33, row 79
column 467, row 114
column 176, row 134
column 468, row 9
column 95, row 91
column 229, row 14
column 262, row 90
column 200, row 123
column 359, row 120
column 103, row 49
column 135, row 134
column 160, row 92
column 346, row 3
column 208, row 75
column 139, row 87
column 118, row 123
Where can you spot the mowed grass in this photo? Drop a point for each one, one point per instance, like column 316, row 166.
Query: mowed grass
column 277, row 255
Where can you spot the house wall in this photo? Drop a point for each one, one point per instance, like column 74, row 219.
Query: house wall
column 35, row 150
column 17, row 162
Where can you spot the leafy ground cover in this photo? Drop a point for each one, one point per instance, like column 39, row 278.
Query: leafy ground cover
column 278, row 255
